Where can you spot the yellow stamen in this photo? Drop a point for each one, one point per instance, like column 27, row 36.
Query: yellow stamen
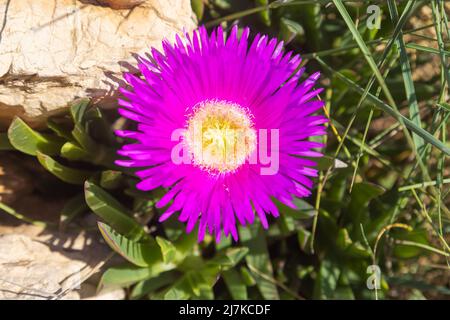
column 220, row 136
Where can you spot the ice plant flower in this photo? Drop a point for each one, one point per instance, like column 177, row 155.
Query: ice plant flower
column 217, row 101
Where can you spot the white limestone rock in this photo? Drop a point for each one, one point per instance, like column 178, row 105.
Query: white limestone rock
column 54, row 51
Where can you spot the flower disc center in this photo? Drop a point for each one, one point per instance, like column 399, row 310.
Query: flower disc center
column 220, row 136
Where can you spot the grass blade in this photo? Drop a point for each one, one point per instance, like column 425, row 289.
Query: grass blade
column 429, row 138
column 362, row 45
column 407, row 76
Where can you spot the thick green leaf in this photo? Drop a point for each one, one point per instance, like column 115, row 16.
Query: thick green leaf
column 264, row 14
column 409, row 251
column 304, row 239
column 325, row 162
column 61, row 129
column 142, row 254
column 110, row 179
column 185, row 243
column 258, row 260
column 112, row 212
column 28, row 141
column 78, row 110
column 229, row 257
column 181, row 290
column 198, row 6
column 287, row 224
column 223, row 4
column 304, row 209
column 311, row 19
column 168, row 250
column 361, row 194
column 73, row 152
column 173, row 228
column 202, row 282
column 235, row 285
column 72, row 208
column 66, row 174
column 343, row 240
column 290, row 29
column 247, row 277
column 99, row 127
column 327, row 280
column 125, row 275
column 344, row 290
column 357, row 211
column 350, row 248
column 197, row 282
column 148, row 286
column 191, row 262
column 83, row 138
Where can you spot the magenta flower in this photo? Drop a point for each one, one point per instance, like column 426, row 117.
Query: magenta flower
column 224, row 125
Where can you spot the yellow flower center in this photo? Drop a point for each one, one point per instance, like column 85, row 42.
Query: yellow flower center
column 220, row 136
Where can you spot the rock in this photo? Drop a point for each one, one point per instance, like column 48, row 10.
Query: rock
column 117, row 4
column 38, row 263
column 54, row 51
column 30, row 270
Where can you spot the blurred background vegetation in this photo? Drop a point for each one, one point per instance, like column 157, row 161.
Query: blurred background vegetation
column 381, row 198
